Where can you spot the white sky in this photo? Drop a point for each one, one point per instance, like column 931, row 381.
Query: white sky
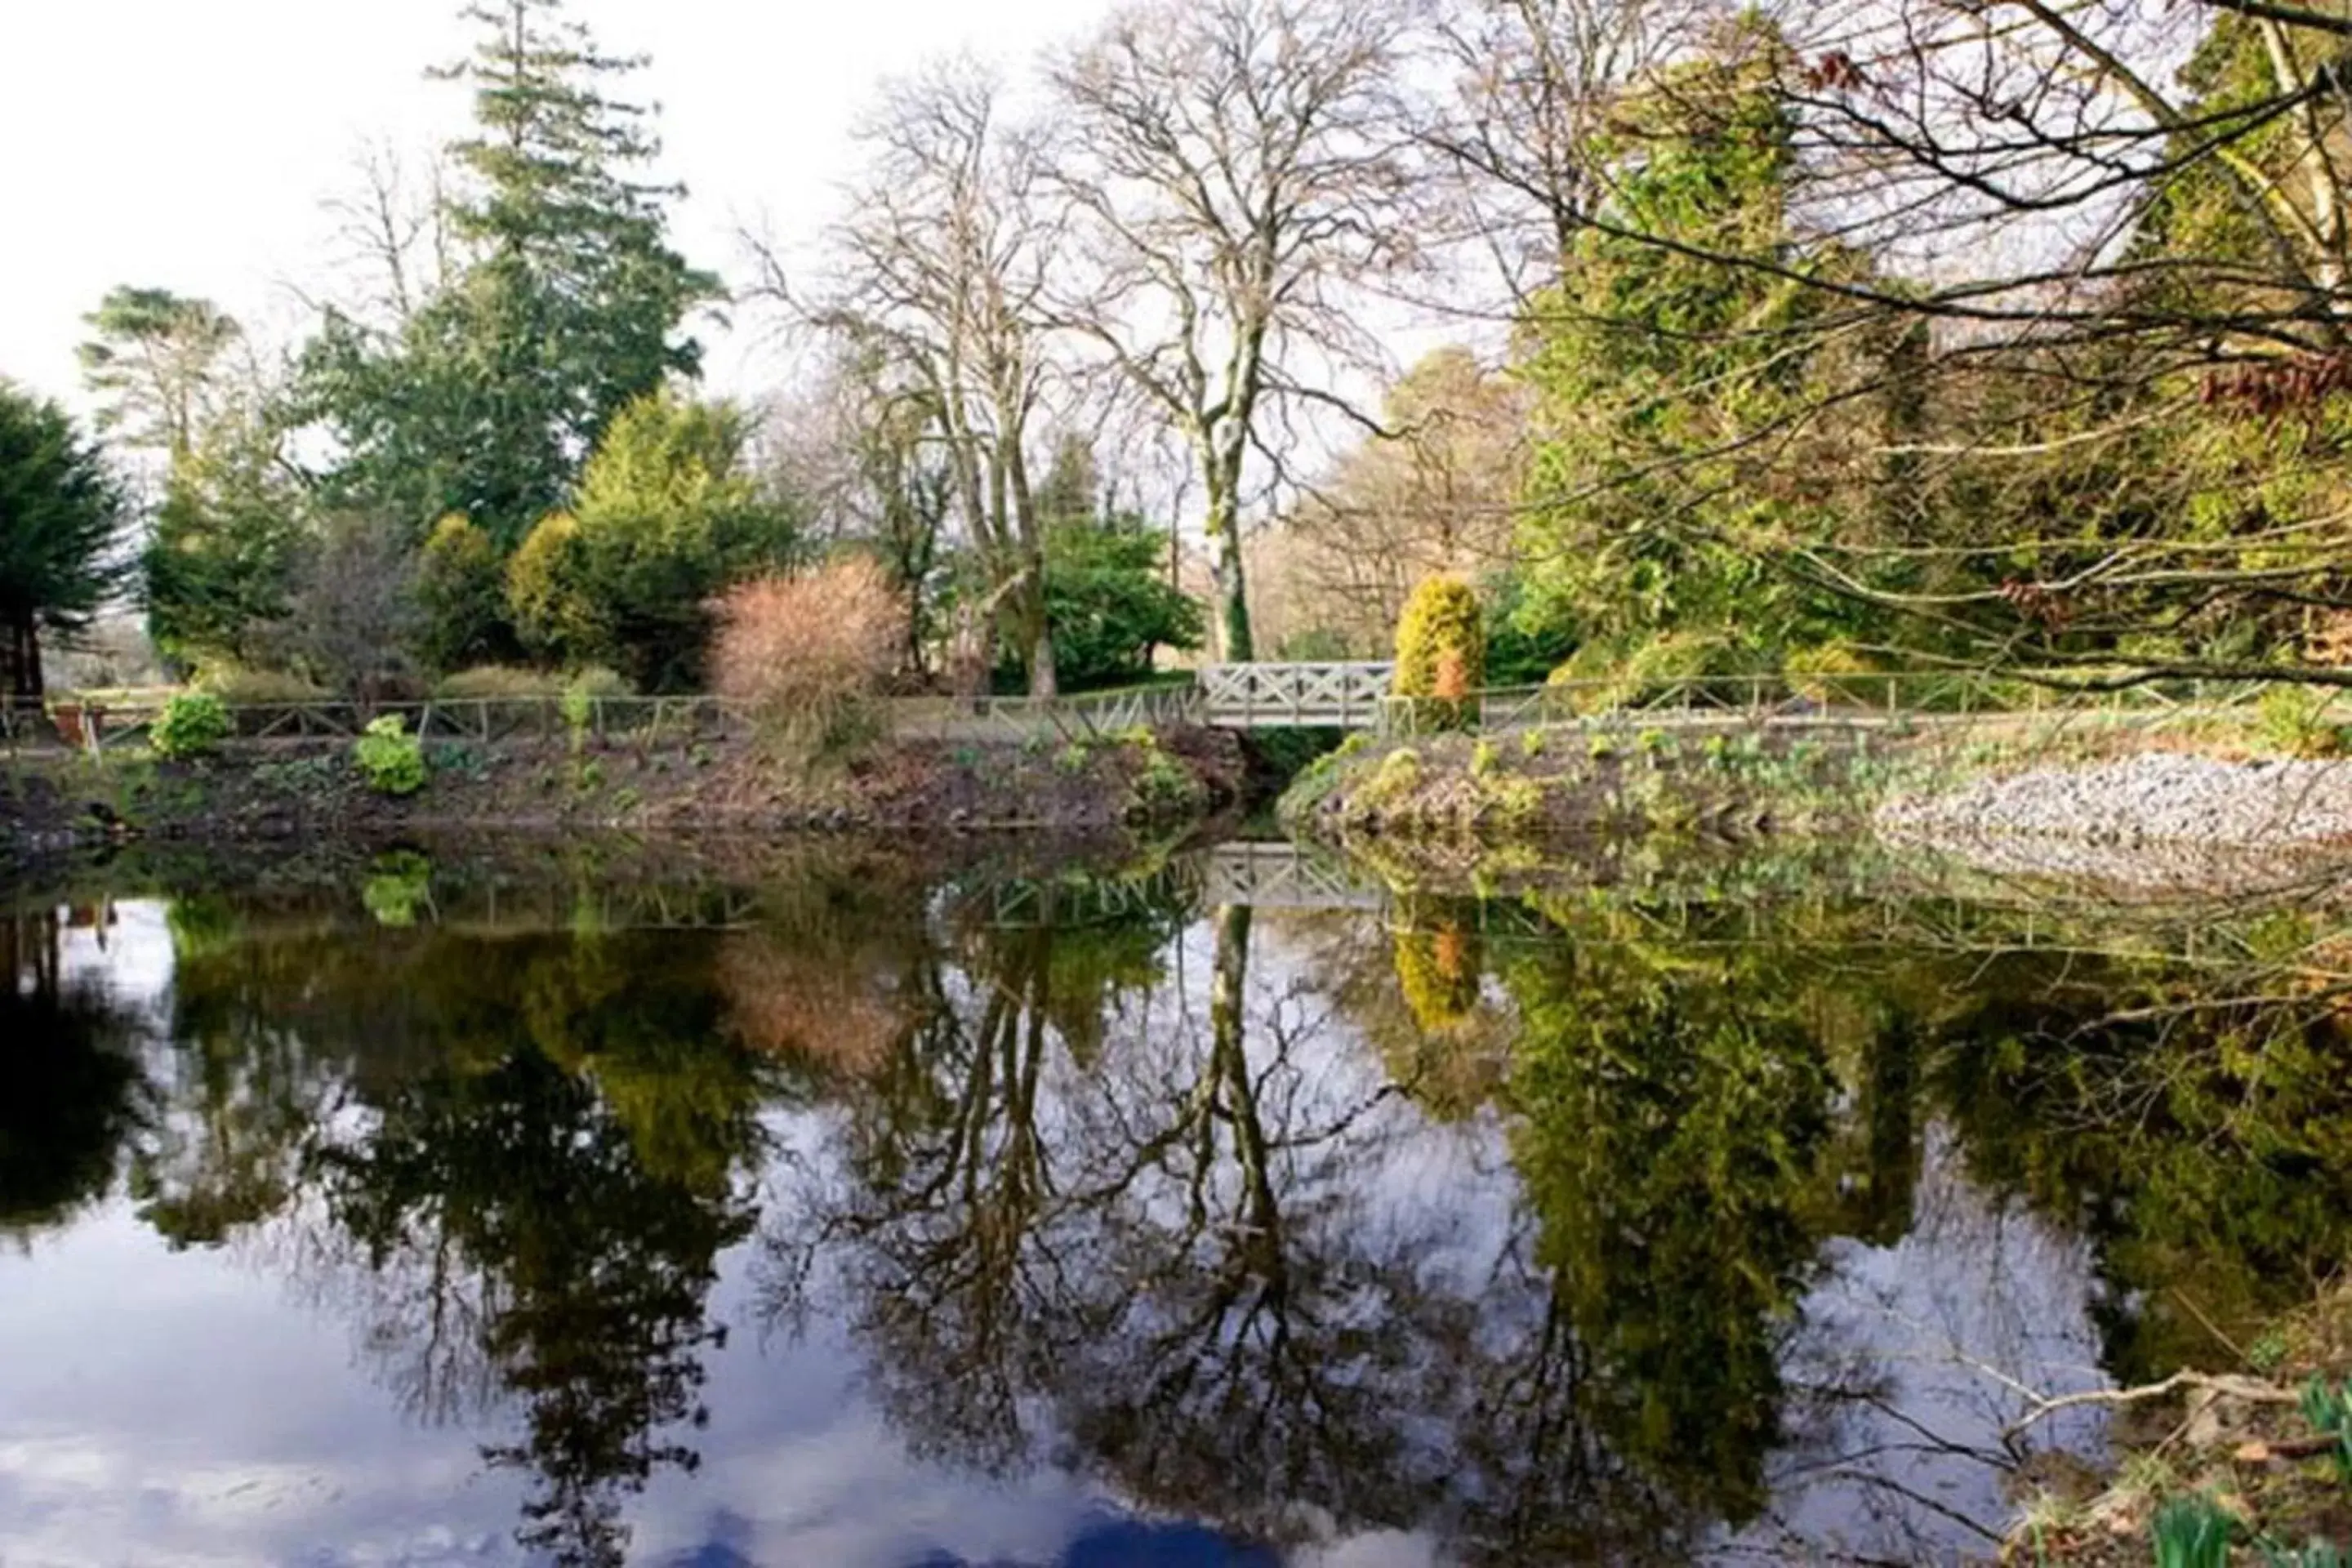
column 188, row 145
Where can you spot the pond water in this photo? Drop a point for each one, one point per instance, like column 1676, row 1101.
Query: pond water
column 819, row 1205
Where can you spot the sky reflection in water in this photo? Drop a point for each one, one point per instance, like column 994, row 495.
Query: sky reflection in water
column 899, row 1224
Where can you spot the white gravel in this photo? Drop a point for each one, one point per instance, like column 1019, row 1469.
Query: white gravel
column 2158, row 797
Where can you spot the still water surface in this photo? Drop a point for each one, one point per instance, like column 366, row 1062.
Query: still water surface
column 832, row 1211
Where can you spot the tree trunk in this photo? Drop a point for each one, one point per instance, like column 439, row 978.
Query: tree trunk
column 1234, row 643
column 1037, row 633
column 1043, row 681
column 20, row 662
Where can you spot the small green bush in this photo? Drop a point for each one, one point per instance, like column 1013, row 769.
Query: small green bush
column 2298, row 721
column 1398, row 775
column 599, row 681
column 506, row 682
column 1484, row 759
column 234, row 684
column 1160, row 786
column 498, row 683
column 194, row 725
column 2192, row 1531
column 389, row 758
column 2329, row 1411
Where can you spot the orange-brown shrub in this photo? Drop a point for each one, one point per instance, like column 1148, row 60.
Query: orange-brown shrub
column 809, row 653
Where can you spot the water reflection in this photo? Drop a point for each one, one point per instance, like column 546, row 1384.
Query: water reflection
column 74, row 1096
column 1647, row 1221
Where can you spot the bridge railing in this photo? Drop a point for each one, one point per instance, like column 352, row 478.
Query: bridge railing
column 1912, row 697
column 1297, row 696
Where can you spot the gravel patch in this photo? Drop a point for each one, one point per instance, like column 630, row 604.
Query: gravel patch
column 2160, row 820
column 2159, row 797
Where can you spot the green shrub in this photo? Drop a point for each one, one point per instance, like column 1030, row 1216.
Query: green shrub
column 390, row 758
column 599, row 681
column 1160, row 787
column 579, row 717
column 2192, row 1531
column 2298, row 720
column 498, row 683
column 1441, row 648
column 461, row 596
column 194, row 725
column 506, row 682
column 237, row 684
column 1484, row 758
column 1833, row 672
column 2329, row 1411
column 1398, row 775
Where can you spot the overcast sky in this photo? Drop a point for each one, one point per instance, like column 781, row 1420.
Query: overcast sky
column 188, row 143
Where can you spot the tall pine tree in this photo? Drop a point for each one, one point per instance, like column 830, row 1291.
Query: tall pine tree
column 567, row 306
column 61, row 515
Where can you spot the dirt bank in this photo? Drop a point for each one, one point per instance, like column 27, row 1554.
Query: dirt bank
column 54, row 800
column 1543, row 782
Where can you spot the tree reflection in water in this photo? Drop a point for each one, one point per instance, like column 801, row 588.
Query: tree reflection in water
column 1206, row 1263
column 527, row 1153
column 75, row 1094
column 1569, row 1237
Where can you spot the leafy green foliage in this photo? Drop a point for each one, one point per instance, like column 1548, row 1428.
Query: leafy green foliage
column 666, row 518
column 154, row 361
column 1651, row 511
column 1520, row 650
column 2329, row 1411
column 219, row 567
column 389, row 758
column 567, row 307
column 194, row 725
column 1108, row 602
column 62, row 515
column 2192, row 1531
column 2304, row 721
column 219, row 562
column 461, row 597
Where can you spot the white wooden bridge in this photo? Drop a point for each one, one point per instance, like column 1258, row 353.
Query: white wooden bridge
column 1294, row 696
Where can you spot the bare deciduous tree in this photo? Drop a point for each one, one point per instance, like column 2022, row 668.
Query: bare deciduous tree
column 941, row 267
column 1437, row 496
column 1235, row 168
column 1531, row 86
